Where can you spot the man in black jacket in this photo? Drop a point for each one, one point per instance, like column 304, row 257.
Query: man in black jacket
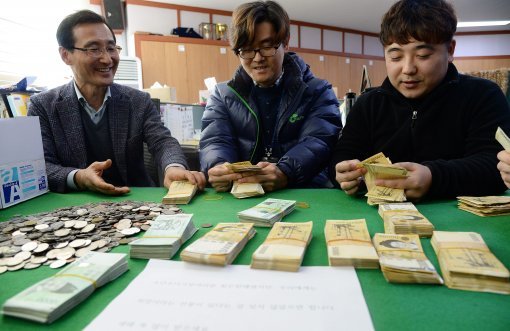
column 434, row 122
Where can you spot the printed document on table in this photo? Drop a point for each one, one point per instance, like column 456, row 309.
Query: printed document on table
column 172, row 295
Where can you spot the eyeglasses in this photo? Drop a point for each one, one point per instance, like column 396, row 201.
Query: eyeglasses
column 97, row 52
column 249, row 54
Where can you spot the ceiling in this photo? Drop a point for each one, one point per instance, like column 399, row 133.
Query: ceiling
column 365, row 15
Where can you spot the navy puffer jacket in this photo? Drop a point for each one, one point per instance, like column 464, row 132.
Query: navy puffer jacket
column 307, row 128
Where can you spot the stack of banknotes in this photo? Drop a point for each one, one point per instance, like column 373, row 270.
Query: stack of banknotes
column 180, row 192
column 246, row 190
column 379, row 167
column 164, row 238
column 349, row 244
column 284, row 247
column 221, row 245
column 404, row 218
column 467, row 263
column 267, row 212
column 402, row 259
column 52, row 297
column 485, row 206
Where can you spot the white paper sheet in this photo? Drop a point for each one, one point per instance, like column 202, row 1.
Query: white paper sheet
column 171, row 295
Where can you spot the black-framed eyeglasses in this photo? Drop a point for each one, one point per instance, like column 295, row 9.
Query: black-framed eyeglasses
column 249, row 54
column 97, row 52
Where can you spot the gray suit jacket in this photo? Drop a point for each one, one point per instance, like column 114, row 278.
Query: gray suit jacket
column 133, row 119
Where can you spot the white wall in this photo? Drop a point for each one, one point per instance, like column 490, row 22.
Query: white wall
column 482, row 45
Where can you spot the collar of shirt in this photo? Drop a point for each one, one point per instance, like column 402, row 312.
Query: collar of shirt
column 95, row 116
column 276, row 83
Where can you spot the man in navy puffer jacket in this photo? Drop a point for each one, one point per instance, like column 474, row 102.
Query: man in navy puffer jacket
column 274, row 112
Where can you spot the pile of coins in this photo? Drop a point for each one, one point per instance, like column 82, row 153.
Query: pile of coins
column 59, row 237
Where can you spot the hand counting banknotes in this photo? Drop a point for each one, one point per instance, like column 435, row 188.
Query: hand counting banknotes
column 379, row 167
column 221, row 245
column 180, row 192
column 267, row 212
column 164, row 238
column 245, row 190
column 52, row 297
column 284, row 247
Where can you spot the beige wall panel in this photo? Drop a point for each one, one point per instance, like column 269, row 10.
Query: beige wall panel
column 153, row 53
column 481, row 64
column 313, row 60
column 176, row 70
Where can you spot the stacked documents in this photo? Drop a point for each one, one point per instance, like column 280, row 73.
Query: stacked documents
column 284, row 247
column 164, row 238
column 349, row 244
column 52, row 297
column 221, row 245
column 404, row 218
column 379, row 167
column 246, row 190
column 180, row 192
column 485, row 206
column 267, row 212
column 402, row 259
column 467, row 263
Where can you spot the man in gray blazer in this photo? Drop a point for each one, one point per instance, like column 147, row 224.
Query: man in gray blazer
column 92, row 129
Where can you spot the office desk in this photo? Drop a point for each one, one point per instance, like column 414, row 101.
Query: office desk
column 392, row 306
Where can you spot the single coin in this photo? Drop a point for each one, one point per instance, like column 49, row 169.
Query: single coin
column 41, row 247
column 144, row 208
column 57, row 264
column 80, row 224
column 42, row 226
column 206, row 225
column 156, row 209
column 30, row 265
column 38, row 259
column 82, row 251
column 130, row 231
column 62, row 232
column 3, row 269
column 12, row 261
column 88, row 228
column 127, row 207
column 23, row 255
column 17, row 233
column 16, row 267
column 123, row 224
column 61, row 244
column 81, row 212
column 69, row 224
column 302, row 204
column 77, row 243
column 213, row 197
column 29, row 246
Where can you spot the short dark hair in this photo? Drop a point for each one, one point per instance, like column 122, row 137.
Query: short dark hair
column 65, row 34
column 430, row 21
column 248, row 15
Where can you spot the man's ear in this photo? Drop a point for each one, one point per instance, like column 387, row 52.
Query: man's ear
column 451, row 50
column 65, row 55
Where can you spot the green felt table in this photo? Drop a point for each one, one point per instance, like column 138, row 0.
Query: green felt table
column 391, row 306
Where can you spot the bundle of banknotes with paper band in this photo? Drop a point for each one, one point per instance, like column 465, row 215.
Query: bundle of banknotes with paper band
column 379, row 167
column 485, row 206
column 404, row 218
column 503, row 139
column 402, row 259
column 267, row 212
column 467, row 263
column 180, row 192
column 221, row 245
column 245, row 190
column 52, row 297
column 349, row 244
column 284, row 247
column 164, row 238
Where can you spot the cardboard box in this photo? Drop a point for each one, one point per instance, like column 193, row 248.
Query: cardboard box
column 164, row 94
column 22, row 166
